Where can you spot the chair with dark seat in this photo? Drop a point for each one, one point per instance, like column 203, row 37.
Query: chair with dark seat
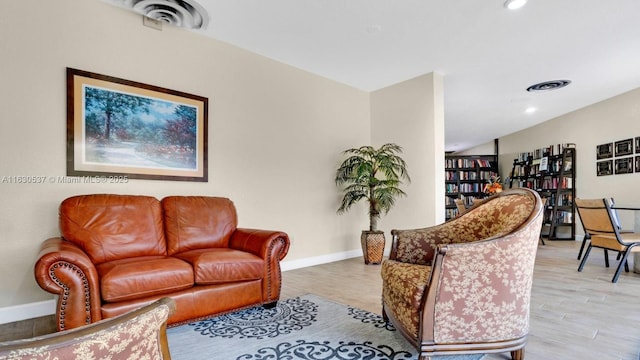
column 464, row 286
column 602, row 227
column 138, row 334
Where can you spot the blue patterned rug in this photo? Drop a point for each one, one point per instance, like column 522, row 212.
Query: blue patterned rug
column 307, row 327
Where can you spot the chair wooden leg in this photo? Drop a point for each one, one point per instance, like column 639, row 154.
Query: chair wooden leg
column 584, row 242
column 623, row 262
column 518, row 354
column 584, row 258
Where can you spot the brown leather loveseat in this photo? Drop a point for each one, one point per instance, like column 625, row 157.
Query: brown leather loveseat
column 119, row 252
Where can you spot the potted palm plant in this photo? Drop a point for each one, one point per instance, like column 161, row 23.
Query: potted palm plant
column 374, row 175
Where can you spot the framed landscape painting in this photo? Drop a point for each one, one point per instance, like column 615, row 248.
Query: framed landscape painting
column 117, row 127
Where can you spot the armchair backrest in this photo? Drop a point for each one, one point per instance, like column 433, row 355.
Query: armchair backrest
column 198, row 222
column 494, row 217
column 597, row 216
column 493, row 303
column 111, row 227
column 139, row 334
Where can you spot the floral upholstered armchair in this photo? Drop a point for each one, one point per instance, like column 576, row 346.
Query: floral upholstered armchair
column 138, row 334
column 464, row 286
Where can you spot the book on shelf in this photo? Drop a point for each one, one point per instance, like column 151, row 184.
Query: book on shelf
column 539, row 153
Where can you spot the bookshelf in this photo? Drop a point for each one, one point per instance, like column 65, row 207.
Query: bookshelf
column 465, row 177
column 551, row 172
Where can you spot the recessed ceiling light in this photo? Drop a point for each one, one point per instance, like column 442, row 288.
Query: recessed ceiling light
column 549, row 85
column 514, row 4
column 530, row 110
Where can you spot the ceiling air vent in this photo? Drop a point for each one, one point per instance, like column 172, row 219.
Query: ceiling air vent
column 549, row 85
column 183, row 13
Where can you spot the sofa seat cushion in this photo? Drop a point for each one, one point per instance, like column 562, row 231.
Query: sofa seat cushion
column 403, row 289
column 139, row 277
column 223, row 265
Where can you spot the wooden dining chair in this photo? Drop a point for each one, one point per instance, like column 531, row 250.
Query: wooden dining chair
column 603, row 230
column 460, row 206
column 616, row 221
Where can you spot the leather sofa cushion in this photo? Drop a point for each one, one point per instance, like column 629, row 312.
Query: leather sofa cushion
column 110, row 227
column 221, row 265
column 140, row 277
column 198, row 222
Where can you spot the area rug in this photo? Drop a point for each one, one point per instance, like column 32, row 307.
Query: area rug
column 307, row 327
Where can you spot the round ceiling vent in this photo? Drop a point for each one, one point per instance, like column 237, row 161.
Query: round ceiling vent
column 183, row 13
column 549, row 85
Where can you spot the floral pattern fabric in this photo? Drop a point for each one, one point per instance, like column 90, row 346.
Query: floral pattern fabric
column 482, row 293
column 135, row 339
column 503, row 216
column 485, row 289
column 403, row 286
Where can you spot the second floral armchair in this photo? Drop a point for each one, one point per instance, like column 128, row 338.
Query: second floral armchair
column 464, row 286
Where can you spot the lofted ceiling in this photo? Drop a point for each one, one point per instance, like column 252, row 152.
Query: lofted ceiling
column 488, row 55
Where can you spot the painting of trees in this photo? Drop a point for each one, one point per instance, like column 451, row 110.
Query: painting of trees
column 128, row 129
column 120, row 127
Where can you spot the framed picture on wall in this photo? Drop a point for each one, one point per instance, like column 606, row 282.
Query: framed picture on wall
column 624, row 165
column 604, row 167
column 624, row 147
column 604, row 151
column 638, row 145
column 637, row 164
column 120, row 128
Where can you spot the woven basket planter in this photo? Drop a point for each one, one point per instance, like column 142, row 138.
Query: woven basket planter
column 372, row 246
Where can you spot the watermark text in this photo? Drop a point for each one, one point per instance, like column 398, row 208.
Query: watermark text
column 60, row 179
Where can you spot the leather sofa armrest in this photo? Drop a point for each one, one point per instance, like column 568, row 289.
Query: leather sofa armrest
column 272, row 246
column 261, row 243
column 62, row 268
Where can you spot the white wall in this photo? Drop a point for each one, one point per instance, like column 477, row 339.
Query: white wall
column 275, row 132
column 482, row 149
column 411, row 114
column 611, row 120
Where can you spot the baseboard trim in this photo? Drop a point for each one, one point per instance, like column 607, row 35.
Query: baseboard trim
column 319, row 260
column 21, row 312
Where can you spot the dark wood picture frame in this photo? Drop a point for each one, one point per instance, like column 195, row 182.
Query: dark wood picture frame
column 604, row 167
column 638, row 145
column 624, row 165
column 122, row 128
column 604, row 151
column 637, row 168
column 624, row 147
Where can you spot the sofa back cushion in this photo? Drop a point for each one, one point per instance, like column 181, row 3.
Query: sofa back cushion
column 198, row 222
column 112, row 227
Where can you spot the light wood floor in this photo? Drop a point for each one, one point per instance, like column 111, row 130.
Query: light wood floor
column 574, row 315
